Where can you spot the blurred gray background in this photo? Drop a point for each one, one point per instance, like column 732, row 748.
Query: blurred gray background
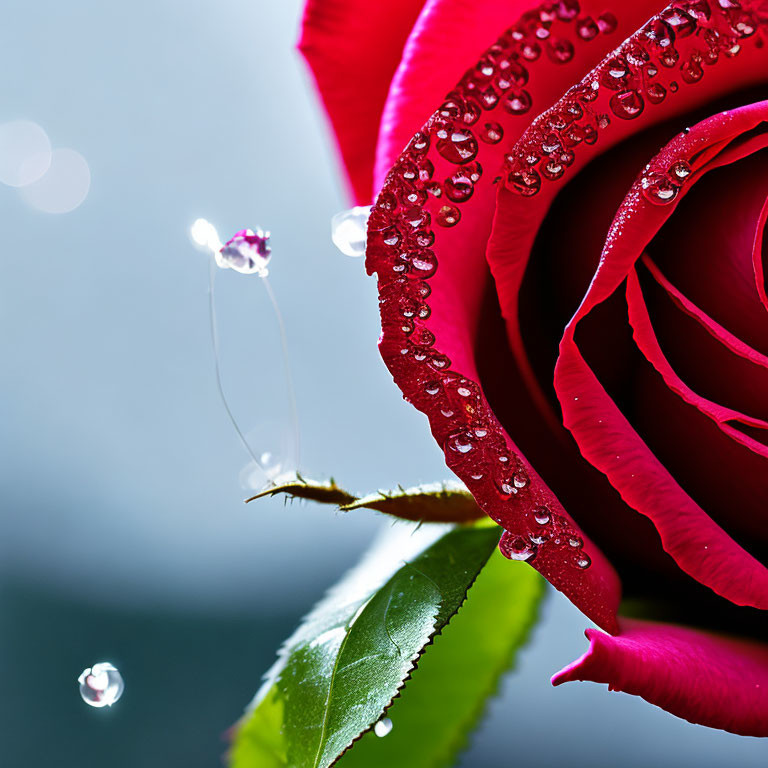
column 123, row 533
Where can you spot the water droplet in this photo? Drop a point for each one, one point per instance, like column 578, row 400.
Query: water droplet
column 459, row 187
column 516, row 547
column 525, row 182
column 542, row 516
column 678, row 20
column 492, row 133
column 582, row 561
column 348, row 231
column 659, row 189
column 627, row 104
column 247, row 252
column 658, row 33
column 459, row 146
column 448, row 216
column 424, row 262
column 586, row 28
column 439, row 362
column 560, row 51
column 520, row 480
column 656, row 93
column 691, row 70
column 518, row 103
column 101, row 685
column 680, row 170
column 575, row 542
column 462, row 441
column 383, row 727
column 607, row 23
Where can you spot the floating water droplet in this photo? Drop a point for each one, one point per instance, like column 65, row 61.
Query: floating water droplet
column 383, row 727
column 247, row 252
column 101, row 685
column 348, row 230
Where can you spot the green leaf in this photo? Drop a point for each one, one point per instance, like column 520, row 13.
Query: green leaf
column 310, row 490
column 446, row 696
column 435, row 503
column 342, row 668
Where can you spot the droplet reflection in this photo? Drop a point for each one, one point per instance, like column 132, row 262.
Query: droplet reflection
column 348, row 230
column 383, row 727
column 101, row 685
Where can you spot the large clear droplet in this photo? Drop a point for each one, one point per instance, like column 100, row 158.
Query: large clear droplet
column 383, row 727
column 247, row 252
column 349, row 230
column 101, row 685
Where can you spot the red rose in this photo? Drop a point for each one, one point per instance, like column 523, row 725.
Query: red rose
column 570, row 254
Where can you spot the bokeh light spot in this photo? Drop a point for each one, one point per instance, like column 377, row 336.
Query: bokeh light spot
column 65, row 185
column 25, row 152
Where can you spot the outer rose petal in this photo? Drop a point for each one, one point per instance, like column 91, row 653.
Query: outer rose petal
column 452, row 32
column 604, row 435
column 702, row 677
column 426, row 241
column 353, row 48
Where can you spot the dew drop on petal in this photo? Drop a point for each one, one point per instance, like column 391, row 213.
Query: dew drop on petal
column 383, row 727
column 348, row 230
column 582, row 561
column 516, row 547
column 448, row 216
column 101, row 685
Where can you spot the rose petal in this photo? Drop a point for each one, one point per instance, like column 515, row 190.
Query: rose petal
column 704, row 678
column 758, row 248
column 648, row 344
column 728, row 340
column 429, row 333
column 353, row 48
column 603, row 433
column 418, row 83
column 519, row 218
